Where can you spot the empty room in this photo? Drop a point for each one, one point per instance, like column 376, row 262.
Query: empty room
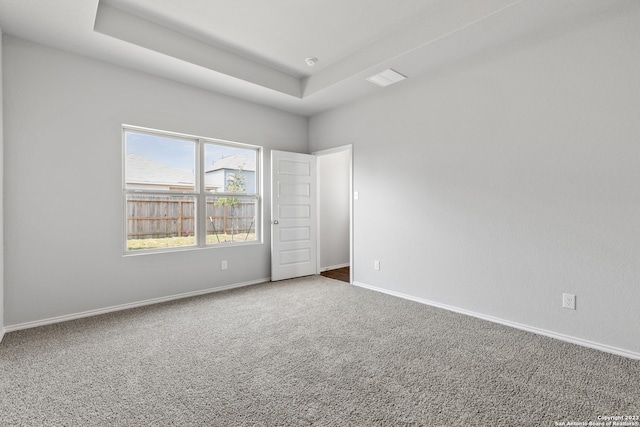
column 320, row 212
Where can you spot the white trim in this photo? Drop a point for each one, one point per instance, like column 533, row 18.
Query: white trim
column 127, row 306
column 573, row 340
column 333, row 150
column 2, row 331
column 180, row 135
column 334, row 267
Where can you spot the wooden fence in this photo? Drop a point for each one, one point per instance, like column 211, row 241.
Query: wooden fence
column 171, row 216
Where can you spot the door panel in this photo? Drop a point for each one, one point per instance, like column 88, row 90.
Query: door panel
column 293, row 215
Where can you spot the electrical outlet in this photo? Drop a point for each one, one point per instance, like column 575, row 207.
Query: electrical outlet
column 223, row 265
column 569, row 301
column 376, row 265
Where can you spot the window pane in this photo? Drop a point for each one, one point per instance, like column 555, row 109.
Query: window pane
column 160, row 221
column 159, row 162
column 231, row 219
column 229, row 169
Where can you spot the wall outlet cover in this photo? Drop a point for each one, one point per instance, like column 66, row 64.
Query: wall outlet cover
column 569, row 301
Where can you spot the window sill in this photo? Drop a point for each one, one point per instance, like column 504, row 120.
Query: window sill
column 140, row 252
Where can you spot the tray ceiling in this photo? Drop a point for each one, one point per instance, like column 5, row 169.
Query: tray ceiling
column 256, row 49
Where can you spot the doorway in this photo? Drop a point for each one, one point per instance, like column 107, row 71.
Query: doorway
column 311, row 213
column 335, row 206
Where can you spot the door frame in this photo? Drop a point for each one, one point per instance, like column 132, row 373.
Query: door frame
column 348, row 148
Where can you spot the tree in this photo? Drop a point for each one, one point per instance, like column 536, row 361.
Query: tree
column 235, row 183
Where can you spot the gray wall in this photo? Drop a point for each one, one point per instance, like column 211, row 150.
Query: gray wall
column 63, row 172
column 1, row 199
column 514, row 177
column 333, row 200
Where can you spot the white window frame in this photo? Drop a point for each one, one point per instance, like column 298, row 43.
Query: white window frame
column 200, row 193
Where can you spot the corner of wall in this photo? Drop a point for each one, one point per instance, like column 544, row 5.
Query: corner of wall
column 308, row 122
column 1, row 200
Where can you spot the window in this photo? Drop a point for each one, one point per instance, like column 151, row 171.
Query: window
column 182, row 191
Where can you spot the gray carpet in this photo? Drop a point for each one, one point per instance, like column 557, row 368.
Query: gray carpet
column 311, row 351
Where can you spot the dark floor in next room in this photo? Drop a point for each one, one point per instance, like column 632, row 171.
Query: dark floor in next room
column 341, row 274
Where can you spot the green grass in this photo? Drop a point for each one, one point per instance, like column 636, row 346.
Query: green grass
column 177, row 242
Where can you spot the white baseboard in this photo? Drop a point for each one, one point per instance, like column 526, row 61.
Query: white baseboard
column 127, row 306
column 2, row 331
column 550, row 334
column 334, row 267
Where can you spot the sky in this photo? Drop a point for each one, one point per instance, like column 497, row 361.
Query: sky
column 174, row 152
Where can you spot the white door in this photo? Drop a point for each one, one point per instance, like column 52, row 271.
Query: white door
column 293, row 215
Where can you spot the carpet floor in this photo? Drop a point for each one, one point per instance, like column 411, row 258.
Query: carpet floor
column 310, row 351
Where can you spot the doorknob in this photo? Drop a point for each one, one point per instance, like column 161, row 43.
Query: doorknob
column 275, row 222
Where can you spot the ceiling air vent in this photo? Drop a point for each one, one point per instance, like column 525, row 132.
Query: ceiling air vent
column 386, row 78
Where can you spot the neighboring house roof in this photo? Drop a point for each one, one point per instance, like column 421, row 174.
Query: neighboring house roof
column 141, row 170
column 235, row 162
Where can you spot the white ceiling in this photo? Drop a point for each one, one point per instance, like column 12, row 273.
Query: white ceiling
column 256, row 49
column 283, row 33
